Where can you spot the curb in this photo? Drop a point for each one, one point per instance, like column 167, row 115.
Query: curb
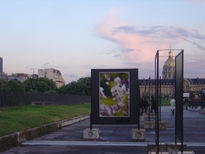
column 17, row 138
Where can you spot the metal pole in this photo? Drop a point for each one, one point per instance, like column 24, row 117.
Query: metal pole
column 145, row 89
column 182, row 122
column 160, row 99
column 1, row 104
column 201, row 99
column 145, row 94
column 156, row 98
column 175, row 107
column 149, row 101
column 91, row 121
column 155, row 83
column 157, row 101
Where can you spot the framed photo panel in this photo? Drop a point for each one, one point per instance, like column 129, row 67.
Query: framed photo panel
column 115, row 96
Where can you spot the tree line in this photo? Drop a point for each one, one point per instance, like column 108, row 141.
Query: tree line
column 45, row 85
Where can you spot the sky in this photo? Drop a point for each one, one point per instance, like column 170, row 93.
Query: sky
column 75, row 36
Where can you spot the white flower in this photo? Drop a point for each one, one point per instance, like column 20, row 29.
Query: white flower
column 102, row 92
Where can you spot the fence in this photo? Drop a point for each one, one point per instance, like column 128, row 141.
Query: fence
column 18, row 99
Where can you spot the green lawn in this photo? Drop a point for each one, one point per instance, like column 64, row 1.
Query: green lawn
column 165, row 102
column 18, row 118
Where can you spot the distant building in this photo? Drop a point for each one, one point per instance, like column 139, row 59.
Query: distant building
column 52, row 74
column 168, row 88
column 1, row 65
column 21, row 77
column 3, row 76
column 168, row 81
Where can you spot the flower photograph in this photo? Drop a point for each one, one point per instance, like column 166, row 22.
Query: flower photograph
column 114, row 94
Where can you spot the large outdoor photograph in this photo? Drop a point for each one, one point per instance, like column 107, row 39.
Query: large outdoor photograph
column 114, row 94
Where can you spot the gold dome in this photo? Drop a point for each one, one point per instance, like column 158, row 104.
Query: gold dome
column 169, row 67
column 170, row 61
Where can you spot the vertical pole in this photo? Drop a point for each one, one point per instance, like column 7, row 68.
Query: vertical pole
column 155, row 82
column 138, row 125
column 149, row 101
column 157, row 101
column 160, row 98
column 156, row 98
column 1, row 104
column 145, row 94
column 182, row 122
column 91, row 121
column 145, row 89
column 201, row 99
column 175, row 117
column 175, row 105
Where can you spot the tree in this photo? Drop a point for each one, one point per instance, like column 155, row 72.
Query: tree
column 15, row 86
column 84, row 85
column 41, row 85
column 80, row 87
column 11, row 86
column 4, row 86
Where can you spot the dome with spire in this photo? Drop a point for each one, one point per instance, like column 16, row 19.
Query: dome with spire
column 169, row 67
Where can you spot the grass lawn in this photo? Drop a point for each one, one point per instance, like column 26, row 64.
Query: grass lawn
column 165, row 102
column 22, row 117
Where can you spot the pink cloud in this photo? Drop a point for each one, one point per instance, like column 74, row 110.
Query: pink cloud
column 197, row 2
column 144, row 41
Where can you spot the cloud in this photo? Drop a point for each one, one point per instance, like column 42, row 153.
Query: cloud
column 139, row 43
column 109, row 52
column 194, row 60
column 127, row 50
column 158, row 31
column 93, row 66
column 117, row 55
column 197, row 2
column 196, row 44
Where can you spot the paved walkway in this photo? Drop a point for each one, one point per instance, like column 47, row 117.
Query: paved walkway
column 115, row 138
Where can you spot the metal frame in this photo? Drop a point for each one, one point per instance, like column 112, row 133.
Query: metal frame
column 179, row 78
column 158, row 100
column 149, row 100
column 134, row 99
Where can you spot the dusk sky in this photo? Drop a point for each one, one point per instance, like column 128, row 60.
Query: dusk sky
column 77, row 35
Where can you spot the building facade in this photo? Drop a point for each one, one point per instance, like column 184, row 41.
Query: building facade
column 52, row 74
column 21, row 77
column 3, row 76
column 168, row 86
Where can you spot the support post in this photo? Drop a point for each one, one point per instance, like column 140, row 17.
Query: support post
column 160, row 98
column 91, row 121
column 149, row 101
column 157, row 98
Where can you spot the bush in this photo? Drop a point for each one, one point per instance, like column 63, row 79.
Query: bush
column 80, row 87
